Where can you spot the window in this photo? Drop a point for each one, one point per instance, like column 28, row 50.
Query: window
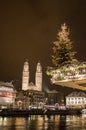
column 72, row 98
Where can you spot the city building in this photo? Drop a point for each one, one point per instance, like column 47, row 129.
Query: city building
column 38, row 78
column 54, row 97
column 7, row 94
column 31, row 94
column 29, row 98
column 76, row 100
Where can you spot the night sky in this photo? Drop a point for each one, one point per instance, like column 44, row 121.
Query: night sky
column 28, row 29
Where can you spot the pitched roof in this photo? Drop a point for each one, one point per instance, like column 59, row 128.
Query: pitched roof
column 77, row 94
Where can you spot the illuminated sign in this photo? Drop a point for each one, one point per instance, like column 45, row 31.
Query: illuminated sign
column 7, row 94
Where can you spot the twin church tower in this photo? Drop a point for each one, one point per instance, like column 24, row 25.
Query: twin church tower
column 38, row 78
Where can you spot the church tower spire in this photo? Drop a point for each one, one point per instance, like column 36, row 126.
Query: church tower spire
column 25, row 76
column 38, row 77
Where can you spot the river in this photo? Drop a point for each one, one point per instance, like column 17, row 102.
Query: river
column 57, row 122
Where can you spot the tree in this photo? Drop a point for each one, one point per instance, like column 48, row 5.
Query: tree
column 62, row 50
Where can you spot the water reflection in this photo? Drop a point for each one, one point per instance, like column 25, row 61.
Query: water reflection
column 44, row 123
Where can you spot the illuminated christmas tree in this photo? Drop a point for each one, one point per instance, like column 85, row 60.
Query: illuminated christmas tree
column 62, row 50
column 67, row 70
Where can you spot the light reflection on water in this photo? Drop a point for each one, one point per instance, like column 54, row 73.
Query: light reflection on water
column 56, row 122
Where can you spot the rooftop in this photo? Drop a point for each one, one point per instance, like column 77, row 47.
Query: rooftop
column 77, row 94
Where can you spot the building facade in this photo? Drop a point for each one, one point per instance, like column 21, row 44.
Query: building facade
column 54, row 97
column 31, row 94
column 7, row 94
column 25, row 76
column 38, row 78
column 29, row 98
column 76, row 100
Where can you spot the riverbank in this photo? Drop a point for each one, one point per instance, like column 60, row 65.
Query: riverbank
column 23, row 113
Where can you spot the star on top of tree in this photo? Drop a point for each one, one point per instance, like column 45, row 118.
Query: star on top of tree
column 64, row 33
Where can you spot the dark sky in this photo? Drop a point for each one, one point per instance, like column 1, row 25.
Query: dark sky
column 28, row 29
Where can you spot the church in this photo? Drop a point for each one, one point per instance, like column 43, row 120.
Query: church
column 38, row 78
column 32, row 94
